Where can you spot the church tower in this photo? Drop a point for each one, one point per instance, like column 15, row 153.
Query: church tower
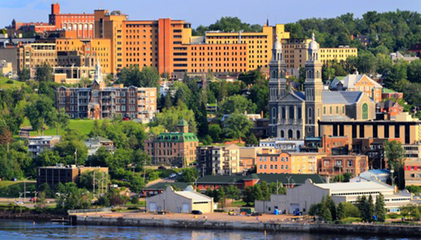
column 313, row 90
column 277, row 84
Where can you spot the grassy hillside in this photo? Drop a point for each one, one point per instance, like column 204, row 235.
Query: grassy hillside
column 4, row 83
column 83, row 125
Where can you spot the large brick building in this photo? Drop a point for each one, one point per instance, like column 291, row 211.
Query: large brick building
column 98, row 101
column 173, row 148
column 339, row 164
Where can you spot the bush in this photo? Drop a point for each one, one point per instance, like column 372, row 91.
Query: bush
column 9, row 81
column 218, row 210
column 393, row 216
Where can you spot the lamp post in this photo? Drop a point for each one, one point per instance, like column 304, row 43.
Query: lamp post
column 24, row 189
column 289, row 178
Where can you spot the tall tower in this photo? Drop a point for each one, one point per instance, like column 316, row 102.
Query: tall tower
column 313, row 90
column 277, row 84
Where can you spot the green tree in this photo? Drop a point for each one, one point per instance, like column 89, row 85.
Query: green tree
column 370, row 209
column 39, row 113
column 101, row 179
column 44, row 72
column 24, row 74
column 341, row 211
column 58, row 119
column 189, row 175
column 232, row 192
column 380, row 210
column 237, row 126
column 248, row 195
column 236, row 103
column 395, row 156
column 133, row 76
column 215, row 132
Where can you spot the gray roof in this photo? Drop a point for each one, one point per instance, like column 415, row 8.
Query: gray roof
column 342, row 97
column 300, row 95
column 335, row 118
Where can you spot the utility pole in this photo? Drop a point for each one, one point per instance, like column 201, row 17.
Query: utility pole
column 93, row 183
column 76, row 157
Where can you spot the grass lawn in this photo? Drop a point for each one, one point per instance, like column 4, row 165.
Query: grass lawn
column 238, row 203
column 5, row 85
column 83, row 125
column 12, row 189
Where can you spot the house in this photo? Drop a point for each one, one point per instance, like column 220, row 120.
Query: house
column 301, row 198
column 412, row 171
column 334, row 165
column 180, row 201
column 358, row 82
column 396, row 56
column 94, row 143
column 390, row 108
column 37, row 144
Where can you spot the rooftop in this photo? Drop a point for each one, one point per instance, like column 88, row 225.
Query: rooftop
column 355, row 186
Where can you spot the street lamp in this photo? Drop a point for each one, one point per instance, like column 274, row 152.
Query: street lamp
column 24, row 189
column 289, row 178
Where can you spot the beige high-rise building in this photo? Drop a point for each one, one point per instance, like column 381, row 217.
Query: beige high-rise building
column 31, row 55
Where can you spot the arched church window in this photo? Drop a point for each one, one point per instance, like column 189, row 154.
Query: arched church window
column 290, row 134
column 291, row 112
column 283, row 113
column 299, row 113
column 365, row 111
column 298, row 134
column 282, row 134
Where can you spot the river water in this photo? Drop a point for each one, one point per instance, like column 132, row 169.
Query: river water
column 11, row 229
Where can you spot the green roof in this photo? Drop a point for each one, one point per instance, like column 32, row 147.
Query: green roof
column 177, row 137
column 387, row 90
column 164, row 185
column 297, row 179
column 340, row 77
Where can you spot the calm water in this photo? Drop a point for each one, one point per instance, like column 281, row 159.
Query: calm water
column 10, row 229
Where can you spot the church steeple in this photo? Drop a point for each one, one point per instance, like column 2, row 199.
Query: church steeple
column 98, row 75
column 313, row 89
column 277, row 82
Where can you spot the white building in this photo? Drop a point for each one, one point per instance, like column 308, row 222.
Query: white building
column 282, row 144
column 180, row 201
column 302, row 197
column 37, row 144
column 379, row 175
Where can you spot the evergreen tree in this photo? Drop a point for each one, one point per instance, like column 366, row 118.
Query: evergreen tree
column 380, row 209
column 332, row 207
column 168, row 101
column 341, row 211
column 370, row 209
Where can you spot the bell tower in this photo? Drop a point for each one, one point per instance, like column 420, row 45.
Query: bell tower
column 277, row 84
column 313, row 90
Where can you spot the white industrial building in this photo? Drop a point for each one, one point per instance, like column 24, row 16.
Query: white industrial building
column 180, row 201
column 302, row 197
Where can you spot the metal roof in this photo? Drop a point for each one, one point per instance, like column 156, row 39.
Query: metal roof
column 355, row 186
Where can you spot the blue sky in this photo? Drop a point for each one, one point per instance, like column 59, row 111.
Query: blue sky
column 205, row 12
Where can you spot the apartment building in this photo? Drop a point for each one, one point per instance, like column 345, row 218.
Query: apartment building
column 98, row 101
column 339, row 164
column 296, row 54
column 259, row 43
column 218, row 160
column 173, row 148
column 33, row 54
column 77, row 25
column 412, row 171
column 273, row 161
column 37, row 144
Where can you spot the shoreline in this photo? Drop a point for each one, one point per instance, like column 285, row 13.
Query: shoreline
column 341, row 229
column 32, row 216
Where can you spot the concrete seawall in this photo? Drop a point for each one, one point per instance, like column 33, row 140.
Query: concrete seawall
column 375, row 229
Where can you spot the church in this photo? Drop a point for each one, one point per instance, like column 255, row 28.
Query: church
column 295, row 114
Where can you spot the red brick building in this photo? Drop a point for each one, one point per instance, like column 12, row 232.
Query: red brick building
column 174, row 148
column 339, row 164
column 78, row 25
column 390, row 108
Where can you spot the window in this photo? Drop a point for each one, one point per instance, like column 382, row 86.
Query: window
column 350, row 163
column 365, row 111
column 291, row 112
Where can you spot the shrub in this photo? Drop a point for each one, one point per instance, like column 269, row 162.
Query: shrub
column 9, row 81
column 393, row 216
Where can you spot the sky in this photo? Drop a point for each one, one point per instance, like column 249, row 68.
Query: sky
column 204, row 12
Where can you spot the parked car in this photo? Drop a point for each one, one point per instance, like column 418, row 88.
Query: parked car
column 196, row 212
column 162, row 167
column 173, row 175
column 181, row 172
column 256, row 214
column 297, row 213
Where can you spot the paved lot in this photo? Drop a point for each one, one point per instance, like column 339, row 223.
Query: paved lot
column 208, row 216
